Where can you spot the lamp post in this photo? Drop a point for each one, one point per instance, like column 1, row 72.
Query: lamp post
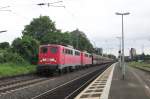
column 119, row 52
column 123, row 65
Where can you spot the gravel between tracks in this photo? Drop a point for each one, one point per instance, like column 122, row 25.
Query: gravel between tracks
column 14, row 80
column 5, row 80
column 36, row 89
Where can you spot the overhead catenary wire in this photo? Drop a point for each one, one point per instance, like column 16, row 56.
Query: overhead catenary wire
column 57, row 6
column 51, row 4
column 33, row 4
column 4, row 7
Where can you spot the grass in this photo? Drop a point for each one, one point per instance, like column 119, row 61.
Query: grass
column 10, row 69
column 141, row 65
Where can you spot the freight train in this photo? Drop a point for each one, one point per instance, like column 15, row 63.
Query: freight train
column 53, row 57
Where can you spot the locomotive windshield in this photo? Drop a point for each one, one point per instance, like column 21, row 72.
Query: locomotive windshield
column 53, row 50
column 43, row 50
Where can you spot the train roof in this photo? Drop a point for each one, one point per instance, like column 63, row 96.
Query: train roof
column 68, row 47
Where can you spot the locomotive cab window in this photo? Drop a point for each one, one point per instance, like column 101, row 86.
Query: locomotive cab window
column 53, row 50
column 66, row 51
column 86, row 55
column 63, row 51
column 43, row 49
column 71, row 52
column 90, row 56
column 77, row 53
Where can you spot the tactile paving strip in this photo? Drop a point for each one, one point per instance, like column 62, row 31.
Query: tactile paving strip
column 98, row 87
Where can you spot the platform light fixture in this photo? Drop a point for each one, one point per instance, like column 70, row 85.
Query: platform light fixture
column 123, row 64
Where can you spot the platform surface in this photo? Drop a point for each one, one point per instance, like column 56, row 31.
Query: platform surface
column 135, row 86
column 99, row 88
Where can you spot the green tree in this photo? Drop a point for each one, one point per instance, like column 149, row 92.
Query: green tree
column 66, row 39
column 51, row 38
column 80, row 41
column 4, row 45
column 9, row 56
column 39, row 27
column 57, row 38
column 27, row 47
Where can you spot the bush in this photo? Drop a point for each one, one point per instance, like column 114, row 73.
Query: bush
column 2, row 58
column 6, row 56
column 4, row 45
column 27, row 47
column 14, row 58
column 11, row 69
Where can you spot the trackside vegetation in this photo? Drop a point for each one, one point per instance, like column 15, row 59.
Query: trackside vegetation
column 140, row 65
column 11, row 69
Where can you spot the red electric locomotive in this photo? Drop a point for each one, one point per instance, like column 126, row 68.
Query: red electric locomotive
column 54, row 58
column 57, row 57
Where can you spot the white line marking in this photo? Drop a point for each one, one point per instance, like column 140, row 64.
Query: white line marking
column 62, row 85
column 146, row 87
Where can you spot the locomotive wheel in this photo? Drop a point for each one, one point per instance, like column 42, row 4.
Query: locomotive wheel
column 64, row 70
column 60, row 71
column 49, row 73
column 71, row 69
column 67, row 69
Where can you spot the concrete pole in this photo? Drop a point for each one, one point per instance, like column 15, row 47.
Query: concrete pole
column 123, row 65
column 119, row 52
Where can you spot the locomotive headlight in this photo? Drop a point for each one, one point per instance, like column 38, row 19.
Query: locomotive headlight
column 43, row 60
column 48, row 60
column 52, row 60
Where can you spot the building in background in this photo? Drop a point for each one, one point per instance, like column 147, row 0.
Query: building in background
column 132, row 53
column 99, row 51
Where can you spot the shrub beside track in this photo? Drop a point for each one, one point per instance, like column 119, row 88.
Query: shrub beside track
column 10, row 69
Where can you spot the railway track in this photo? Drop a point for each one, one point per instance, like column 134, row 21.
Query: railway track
column 7, row 87
column 9, row 81
column 41, row 87
column 71, row 88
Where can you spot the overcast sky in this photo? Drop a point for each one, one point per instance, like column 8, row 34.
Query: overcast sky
column 96, row 18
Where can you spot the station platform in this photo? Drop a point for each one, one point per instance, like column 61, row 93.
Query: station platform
column 136, row 84
column 110, row 85
column 99, row 86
